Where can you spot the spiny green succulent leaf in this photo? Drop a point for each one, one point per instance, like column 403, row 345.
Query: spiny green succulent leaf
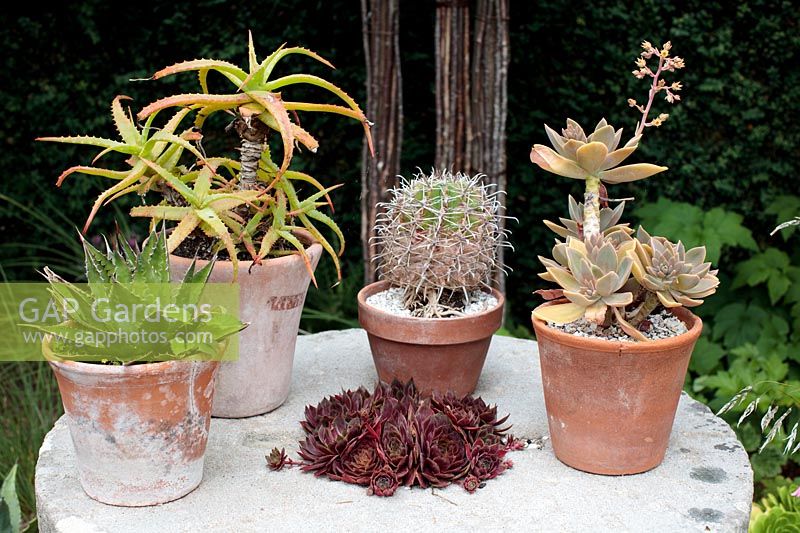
column 125, row 126
column 229, row 70
column 231, row 101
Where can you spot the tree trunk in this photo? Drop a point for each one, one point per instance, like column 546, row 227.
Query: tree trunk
column 381, row 21
column 472, row 91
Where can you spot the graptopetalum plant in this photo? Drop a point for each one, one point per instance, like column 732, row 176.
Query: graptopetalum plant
column 607, row 274
column 438, row 238
column 251, row 207
column 394, row 437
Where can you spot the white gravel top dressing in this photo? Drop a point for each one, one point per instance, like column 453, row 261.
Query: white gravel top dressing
column 391, row 301
column 663, row 325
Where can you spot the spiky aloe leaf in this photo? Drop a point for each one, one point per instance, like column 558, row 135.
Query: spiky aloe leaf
column 124, row 124
column 231, row 101
column 229, row 70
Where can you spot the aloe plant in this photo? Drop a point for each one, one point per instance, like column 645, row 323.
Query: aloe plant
column 251, row 207
column 606, row 274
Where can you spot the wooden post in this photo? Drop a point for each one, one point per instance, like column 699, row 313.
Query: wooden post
column 472, row 90
column 380, row 28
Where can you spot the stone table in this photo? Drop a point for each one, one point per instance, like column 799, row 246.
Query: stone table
column 704, row 484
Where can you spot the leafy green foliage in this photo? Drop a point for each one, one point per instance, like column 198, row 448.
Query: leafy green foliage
column 785, row 208
column 771, row 267
column 715, row 228
column 10, row 514
column 779, row 512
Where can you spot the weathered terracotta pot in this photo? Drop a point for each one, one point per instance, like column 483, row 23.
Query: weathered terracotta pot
column 139, row 431
column 440, row 354
column 271, row 298
column 610, row 405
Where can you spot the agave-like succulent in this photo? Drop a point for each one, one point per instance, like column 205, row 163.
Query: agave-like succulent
column 678, row 277
column 579, row 156
column 591, row 275
column 573, row 226
column 393, row 437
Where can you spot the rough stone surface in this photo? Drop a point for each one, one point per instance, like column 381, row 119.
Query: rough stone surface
column 704, row 484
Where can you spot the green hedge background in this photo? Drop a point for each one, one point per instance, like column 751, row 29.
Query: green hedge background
column 732, row 147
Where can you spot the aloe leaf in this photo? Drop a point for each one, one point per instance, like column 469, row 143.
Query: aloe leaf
column 174, row 182
column 160, row 212
column 184, row 228
column 270, row 63
column 85, row 140
column 194, row 99
column 294, row 241
column 309, row 226
column 91, row 171
column 301, row 176
column 272, row 103
column 328, row 221
column 220, row 231
column 125, row 126
column 251, row 52
column 229, row 70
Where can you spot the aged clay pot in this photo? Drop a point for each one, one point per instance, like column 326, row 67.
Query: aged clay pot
column 440, row 354
column 139, row 431
column 610, row 405
column 271, row 298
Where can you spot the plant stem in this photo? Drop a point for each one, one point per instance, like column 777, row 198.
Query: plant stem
column 591, row 208
column 651, row 301
column 651, row 96
column 253, row 135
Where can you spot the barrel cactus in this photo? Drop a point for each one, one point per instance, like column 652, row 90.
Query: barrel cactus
column 438, row 238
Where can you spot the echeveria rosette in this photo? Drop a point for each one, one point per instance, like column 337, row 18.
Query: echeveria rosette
column 578, row 156
column 679, row 278
column 591, row 275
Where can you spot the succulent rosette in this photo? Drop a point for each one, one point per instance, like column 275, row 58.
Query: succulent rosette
column 486, row 460
column 393, row 437
column 579, row 156
column 383, row 482
column 443, row 456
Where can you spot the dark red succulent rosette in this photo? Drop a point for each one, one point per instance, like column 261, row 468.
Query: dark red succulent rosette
column 442, row 448
column 393, row 437
column 486, row 460
column 383, row 482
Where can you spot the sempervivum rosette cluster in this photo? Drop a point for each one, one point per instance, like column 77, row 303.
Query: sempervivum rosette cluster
column 394, row 437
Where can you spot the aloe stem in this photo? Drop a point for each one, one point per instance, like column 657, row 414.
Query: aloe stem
column 591, row 209
column 253, row 135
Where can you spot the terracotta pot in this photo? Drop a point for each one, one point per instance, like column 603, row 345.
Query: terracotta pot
column 139, row 431
column 440, row 354
column 271, row 298
column 610, row 405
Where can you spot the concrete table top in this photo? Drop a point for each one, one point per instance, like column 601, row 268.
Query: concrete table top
column 704, row 484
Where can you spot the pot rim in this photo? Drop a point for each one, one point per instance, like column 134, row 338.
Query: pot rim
column 362, row 300
column 312, row 247
column 141, row 369
column 693, row 323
